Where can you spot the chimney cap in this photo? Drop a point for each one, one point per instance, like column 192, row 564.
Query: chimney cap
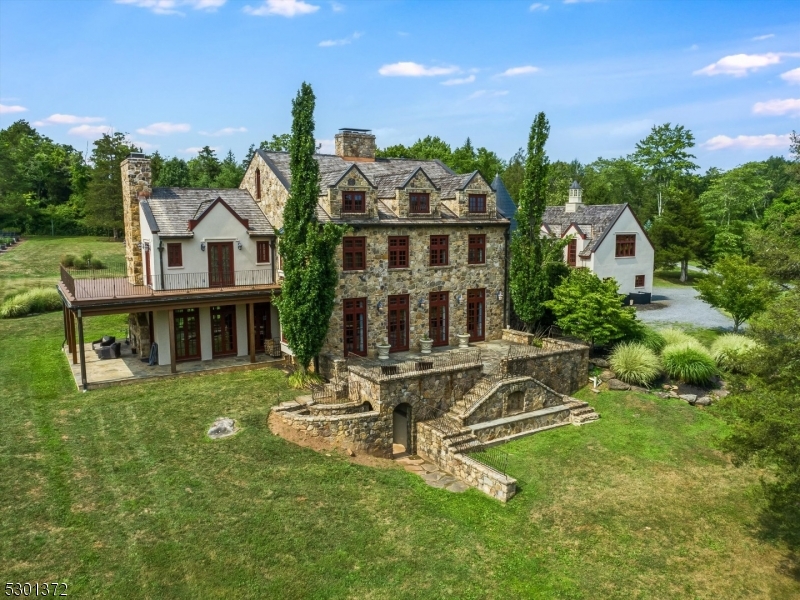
column 355, row 130
column 137, row 155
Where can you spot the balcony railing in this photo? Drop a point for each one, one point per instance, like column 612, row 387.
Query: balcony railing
column 87, row 284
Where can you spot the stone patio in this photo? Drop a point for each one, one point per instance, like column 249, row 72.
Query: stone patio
column 129, row 368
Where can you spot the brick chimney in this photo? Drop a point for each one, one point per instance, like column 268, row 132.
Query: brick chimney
column 137, row 185
column 356, row 145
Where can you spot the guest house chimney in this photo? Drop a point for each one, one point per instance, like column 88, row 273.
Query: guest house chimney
column 137, row 185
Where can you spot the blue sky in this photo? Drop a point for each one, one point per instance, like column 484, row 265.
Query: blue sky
column 180, row 74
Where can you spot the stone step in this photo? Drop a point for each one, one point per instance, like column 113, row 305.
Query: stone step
column 585, row 418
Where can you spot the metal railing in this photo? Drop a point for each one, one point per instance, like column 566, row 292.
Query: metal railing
column 438, row 418
column 492, row 457
column 331, row 393
column 86, row 284
column 445, row 360
column 481, row 388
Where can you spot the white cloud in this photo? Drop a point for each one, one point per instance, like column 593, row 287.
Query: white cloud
column 326, row 146
column 487, row 94
column 282, row 8
column 402, row 33
column 577, row 1
column 196, row 149
column 758, row 38
column 459, row 81
column 740, row 65
column 170, row 7
column 412, row 69
column 163, row 128
column 143, row 145
column 344, row 41
column 5, row 109
column 516, row 71
column 90, row 131
column 538, row 6
column 336, row 7
column 769, row 140
column 59, row 119
column 778, row 107
column 792, row 76
column 694, row 47
column 225, row 131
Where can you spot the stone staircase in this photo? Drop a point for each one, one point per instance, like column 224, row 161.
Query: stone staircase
column 483, row 388
column 580, row 411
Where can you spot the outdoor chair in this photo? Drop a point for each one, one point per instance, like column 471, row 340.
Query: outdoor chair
column 112, row 351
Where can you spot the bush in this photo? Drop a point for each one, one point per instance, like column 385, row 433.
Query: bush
column 673, row 335
column 635, row 363
column 68, row 260
column 98, row 264
column 652, row 339
column 730, row 351
column 689, row 362
column 37, row 300
column 86, row 257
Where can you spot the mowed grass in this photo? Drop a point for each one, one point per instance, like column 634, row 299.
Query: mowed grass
column 671, row 278
column 119, row 493
column 35, row 262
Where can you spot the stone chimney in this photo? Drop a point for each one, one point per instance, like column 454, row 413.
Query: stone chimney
column 575, row 198
column 137, row 184
column 356, row 145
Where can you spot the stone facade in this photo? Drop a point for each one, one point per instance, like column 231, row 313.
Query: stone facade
column 532, row 395
column 352, row 181
column 139, row 328
column 561, row 365
column 273, row 193
column 355, row 145
column 460, row 204
column 377, row 282
column 508, row 428
column 136, row 185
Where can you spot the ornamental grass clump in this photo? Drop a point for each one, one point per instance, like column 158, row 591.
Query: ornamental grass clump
column 688, row 361
column 673, row 335
column 652, row 339
column 731, row 350
column 635, row 363
column 37, row 300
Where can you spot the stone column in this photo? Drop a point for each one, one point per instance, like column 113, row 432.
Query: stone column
column 136, row 186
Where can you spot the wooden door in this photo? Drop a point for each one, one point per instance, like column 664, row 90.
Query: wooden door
column 572, row 252
column 220, row 264
column 398, row 323
column 355, row 326
column 148, row 275
column 263, row 324
column 223, row 330
column 476, row 314
column 439, row 318
column 187, row 334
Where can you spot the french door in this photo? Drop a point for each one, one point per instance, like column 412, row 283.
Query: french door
column 355, row 326
column 223, row 330
column 187, row 334
column 398, row 323
column 476, row 314
column 439, row 318
column 220, row 264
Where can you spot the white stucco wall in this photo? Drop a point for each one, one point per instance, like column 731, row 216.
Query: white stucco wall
column 161, row 335
column 604, row 263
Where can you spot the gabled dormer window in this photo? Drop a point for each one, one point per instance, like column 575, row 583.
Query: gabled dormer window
column 354, row 202
column 477, row 203
column 419, row 203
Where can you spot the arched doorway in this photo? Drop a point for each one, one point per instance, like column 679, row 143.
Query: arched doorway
column 401, row 429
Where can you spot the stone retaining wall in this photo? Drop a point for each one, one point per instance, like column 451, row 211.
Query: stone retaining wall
column 562, row 365
column 431, row 446
column 522, row 425
column 496, row 406
column 346, row 408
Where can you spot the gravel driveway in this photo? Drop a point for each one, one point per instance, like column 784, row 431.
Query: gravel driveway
column 681, row 305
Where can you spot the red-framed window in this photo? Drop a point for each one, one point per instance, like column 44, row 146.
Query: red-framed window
column 174, row 255
column 639, row 282
column 262, row 252
column 477, row 249
column 354, row 202
column 626, row 245
column 572, row 253
column 419, row 203
column 355, row 326
column 258, row 184
column 353, row 253
column 477, row 203
column 398, row 251
column 440, row 250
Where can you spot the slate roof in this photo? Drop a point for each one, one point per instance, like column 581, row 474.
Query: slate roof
column 170, row 209
column 505, row 204
column 600, row 216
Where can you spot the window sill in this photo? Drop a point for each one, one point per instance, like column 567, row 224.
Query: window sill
column 469, row 264
column 390, row 269
column 623, row 257
column 175, row 268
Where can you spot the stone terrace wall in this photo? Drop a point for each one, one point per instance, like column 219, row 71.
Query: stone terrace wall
column 562, row 366
column 527, row 425
column 431, row 446
column 368, row 432
column 496, row 406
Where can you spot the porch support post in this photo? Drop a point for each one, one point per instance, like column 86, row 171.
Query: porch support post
column 173, row 367
column 252, row 331
column 72, row 345
column 84, row 382
column 64, row 319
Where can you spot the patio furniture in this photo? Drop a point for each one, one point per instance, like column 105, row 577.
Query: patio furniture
column 273, row 348
column 106, row 352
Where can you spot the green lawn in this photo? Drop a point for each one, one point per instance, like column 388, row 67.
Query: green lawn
column 671, row 278
column 34, row 262
column 119, row 493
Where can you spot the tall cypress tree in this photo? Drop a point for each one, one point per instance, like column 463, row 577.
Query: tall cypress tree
column 536, row 262
column 307, row 247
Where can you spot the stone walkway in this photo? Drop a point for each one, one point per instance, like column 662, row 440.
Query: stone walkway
column 431, row 474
